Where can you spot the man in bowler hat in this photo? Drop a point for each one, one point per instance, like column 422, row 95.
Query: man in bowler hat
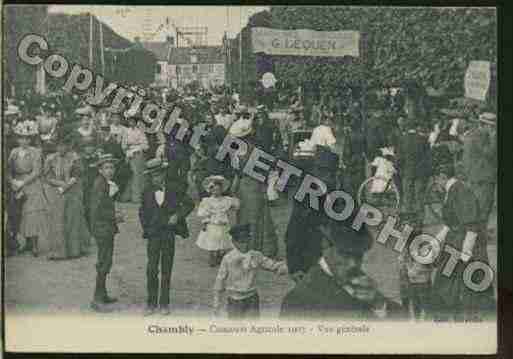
column 161, row 211
column 336, row 287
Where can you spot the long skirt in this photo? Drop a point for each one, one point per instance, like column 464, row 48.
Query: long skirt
column 254, row 209
column 134, row 189
column 34, row 216
column 69, row 234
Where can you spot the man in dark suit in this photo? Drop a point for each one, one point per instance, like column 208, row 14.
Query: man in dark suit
column 336, row 287
column 103, row 222
column 161, row 211
column 303, row 236
column 415, row 168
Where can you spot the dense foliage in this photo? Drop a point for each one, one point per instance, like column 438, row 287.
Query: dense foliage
column 68, row 35
column 18, row 21
column 431, row 45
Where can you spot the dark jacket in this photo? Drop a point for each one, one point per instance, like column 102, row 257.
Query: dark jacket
column 102, row 211
column 318, row 296
column 154, row 218
column 414, row 156
column 480, row 157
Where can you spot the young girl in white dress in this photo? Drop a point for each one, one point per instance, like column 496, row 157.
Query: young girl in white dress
column 215, row 209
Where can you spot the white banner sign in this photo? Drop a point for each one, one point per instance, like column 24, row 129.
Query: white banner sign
column 305, row 42
column 477, row 80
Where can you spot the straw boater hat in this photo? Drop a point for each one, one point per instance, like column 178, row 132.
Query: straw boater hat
column 212, row 180
column 26, row 128
column 105, row 158
column 85, row 111
column 155, row 165
column 488, row 118
column 241, row 128
column 12, row 110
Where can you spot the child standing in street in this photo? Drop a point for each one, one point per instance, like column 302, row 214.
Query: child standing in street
column 215, row 236
column 237, row 276
column 104, row 226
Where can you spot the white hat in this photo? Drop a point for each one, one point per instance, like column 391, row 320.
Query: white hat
column 210, row 180
column 487, row 116
column 241, row 128
column 26, row 128
column 130, row 113
column 86, row 110
column 387, row 151
column 12, row 110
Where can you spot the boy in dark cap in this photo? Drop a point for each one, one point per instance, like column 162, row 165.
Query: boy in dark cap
column 336, row 287
column 237, row 276
column 103, row 222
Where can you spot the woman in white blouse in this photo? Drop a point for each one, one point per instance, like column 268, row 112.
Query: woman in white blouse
column 134, row 143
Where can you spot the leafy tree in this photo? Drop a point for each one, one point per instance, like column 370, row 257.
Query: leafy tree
column 431, row 45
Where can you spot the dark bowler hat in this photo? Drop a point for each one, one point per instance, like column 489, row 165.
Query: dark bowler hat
column 347, row 240
column 241, row 233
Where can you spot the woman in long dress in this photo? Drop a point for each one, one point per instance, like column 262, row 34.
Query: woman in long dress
column 134, row 144
column 254, row 206
column 69, row 235
column 24, row 171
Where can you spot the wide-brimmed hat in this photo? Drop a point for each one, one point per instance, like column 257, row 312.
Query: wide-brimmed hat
column 155, row 165
column 130, row 114
column 452, row 112
column 488, row 118
column 296, row 108
column 241, row 109
column 105, row 158
column 348, row 240
column 213, row 180
column 261, row 108
column 12, row 110
column 241, row 128
column 241, row 233
column 85, row 111
column 26, row 128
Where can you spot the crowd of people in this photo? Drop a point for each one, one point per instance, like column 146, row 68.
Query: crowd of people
column 68, row 163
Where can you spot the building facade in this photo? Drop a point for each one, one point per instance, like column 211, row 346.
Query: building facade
column 205, row 64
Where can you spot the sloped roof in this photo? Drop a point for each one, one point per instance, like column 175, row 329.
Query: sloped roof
column 159, row 48
column 205, row 55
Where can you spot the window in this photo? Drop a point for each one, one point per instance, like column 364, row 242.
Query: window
column 178, row 69
column 159, row 69
column 194, row 69
column 211, row 68
column 194, row 59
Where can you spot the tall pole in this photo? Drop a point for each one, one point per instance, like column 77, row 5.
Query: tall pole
column 240, row 54
column 102, row 56
column 90, row 40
